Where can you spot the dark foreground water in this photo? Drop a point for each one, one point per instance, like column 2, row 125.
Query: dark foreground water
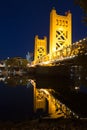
column 42, row 103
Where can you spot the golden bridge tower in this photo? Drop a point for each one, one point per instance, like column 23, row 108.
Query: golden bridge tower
column 40, row 49
column 60, row 31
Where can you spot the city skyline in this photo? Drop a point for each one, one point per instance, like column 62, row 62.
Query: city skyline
column 21, row 21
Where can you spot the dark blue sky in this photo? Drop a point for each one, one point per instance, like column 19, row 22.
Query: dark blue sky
column 21, row 20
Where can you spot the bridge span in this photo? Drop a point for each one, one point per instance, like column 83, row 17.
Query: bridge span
column 64, row 54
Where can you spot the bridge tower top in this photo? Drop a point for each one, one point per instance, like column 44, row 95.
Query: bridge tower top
column 40, row 48
column 60, row 30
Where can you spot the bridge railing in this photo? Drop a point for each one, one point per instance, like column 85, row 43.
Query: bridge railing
column 75, row 49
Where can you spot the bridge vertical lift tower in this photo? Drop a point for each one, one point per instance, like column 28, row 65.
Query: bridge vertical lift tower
column 40, row 49
column 60, row 31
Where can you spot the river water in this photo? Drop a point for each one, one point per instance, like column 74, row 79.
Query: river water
column 29, row 98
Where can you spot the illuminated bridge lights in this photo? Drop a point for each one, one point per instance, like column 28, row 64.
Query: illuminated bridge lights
column 65, row 53
column 56, row 108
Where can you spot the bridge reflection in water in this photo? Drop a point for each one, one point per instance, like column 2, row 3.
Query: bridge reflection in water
column 52, row 97
column 55, row 108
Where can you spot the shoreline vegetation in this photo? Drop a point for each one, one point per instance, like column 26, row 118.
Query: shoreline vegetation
column 38, row 70
column 20, row 66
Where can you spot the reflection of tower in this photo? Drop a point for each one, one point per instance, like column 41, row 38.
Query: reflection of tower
column 44, row 101
column 60, row 31
column 40, row 49
column 50, row 99
column 55, row 108
column 39, row 100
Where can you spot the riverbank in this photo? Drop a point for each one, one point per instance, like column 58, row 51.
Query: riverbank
column 58, row 124
column 50, row 71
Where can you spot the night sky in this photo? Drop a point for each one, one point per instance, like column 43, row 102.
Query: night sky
column 21, row 20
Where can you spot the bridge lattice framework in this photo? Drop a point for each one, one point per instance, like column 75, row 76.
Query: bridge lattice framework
column 78, row 48
column 60, row 41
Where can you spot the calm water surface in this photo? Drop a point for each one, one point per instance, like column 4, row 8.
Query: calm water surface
column 25, row 98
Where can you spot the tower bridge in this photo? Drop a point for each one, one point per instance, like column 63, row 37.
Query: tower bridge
column 65, row 54
column 67, row 58
column 61, row 47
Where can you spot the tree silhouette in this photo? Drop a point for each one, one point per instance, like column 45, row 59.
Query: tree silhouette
column 83, row 5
